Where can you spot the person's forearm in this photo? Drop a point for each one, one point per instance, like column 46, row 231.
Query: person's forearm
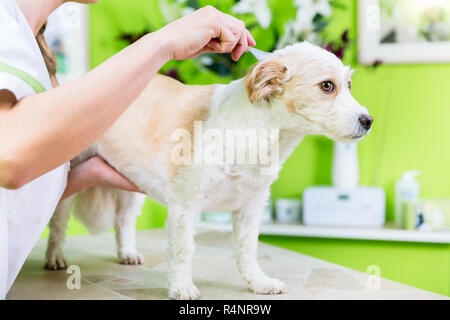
column 45, row 130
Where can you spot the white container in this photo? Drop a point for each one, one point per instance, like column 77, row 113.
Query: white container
column 332, row 207
column 216, row 217
column 287, row 210
column 345, row 172
column 407, row 190
column 267, row 214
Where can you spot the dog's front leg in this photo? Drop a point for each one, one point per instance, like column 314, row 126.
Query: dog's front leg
column 246, row 223
column 180, row 225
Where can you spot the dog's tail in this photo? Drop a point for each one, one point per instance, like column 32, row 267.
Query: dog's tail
column 96, row 207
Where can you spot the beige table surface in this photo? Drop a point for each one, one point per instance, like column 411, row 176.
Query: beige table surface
column 215, row 273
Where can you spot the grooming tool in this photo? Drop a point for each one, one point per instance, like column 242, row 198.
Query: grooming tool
column 258, row 54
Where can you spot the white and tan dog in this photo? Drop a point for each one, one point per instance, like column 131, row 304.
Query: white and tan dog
column 299, row 90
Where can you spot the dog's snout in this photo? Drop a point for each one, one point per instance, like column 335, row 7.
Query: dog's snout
column 366, row 121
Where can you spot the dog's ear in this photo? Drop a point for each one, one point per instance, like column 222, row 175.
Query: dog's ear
column 265, row 80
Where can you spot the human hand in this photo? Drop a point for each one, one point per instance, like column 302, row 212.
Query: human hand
column 96, row 172
column 205, row 30
column 102, row 174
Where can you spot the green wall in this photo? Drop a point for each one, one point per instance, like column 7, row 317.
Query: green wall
column 410, row 104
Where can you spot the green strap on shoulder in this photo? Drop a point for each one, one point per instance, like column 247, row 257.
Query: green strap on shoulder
column 28, row 79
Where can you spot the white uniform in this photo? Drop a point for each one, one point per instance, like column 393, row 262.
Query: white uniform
column 24, row 213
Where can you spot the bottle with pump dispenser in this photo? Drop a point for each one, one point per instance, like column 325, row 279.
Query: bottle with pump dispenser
column 407, row 190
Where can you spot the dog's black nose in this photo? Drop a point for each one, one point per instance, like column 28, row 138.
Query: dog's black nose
column 366, row 121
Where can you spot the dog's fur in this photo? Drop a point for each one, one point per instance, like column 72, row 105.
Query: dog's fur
column 281, row 92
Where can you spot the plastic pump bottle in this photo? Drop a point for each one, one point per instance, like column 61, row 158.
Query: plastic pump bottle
column 407, row 189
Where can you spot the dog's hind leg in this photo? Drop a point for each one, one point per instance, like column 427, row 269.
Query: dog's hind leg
column 246, row 222
column 180, row 225
column 130, row 205
column 57, row 226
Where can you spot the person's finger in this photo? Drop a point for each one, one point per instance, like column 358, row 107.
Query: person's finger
column 245, row 38
column 128, row 186
column 213, row 44
column 205, row 49
column 241, row 47
column 227, row 39
column 224, row 43
column 122, row 182
column 251, row 41
column 238, row 23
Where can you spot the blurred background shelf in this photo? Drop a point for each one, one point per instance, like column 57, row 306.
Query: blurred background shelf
column 388, row 233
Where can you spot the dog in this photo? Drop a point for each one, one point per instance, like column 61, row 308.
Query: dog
column 298, row 90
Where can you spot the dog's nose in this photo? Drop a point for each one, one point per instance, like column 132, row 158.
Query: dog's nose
column 366, row 121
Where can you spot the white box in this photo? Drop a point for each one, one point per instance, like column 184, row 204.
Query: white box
column 333, row 207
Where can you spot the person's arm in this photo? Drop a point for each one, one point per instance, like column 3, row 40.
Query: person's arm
column 45, row 130
column 41, row 132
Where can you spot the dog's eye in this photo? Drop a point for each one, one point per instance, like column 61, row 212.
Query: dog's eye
column 350, row 85
column 327, row 86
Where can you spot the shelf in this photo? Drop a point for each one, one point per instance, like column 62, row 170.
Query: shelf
column 380, row 234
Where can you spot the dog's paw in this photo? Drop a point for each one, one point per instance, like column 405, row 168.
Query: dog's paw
column 56, row 261
column 186, row 292
column 267, row 285
column 131, row 258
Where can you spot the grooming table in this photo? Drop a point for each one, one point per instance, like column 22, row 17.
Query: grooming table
column 215, row 273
